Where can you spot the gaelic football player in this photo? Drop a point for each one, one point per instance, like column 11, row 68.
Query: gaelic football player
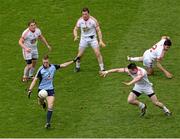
column 141, row 85
column 89, row 26
column 28, row 42
column 155, row 54
column 45, row 75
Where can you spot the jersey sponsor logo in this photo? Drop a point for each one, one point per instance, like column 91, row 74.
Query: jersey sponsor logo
column 85, row 29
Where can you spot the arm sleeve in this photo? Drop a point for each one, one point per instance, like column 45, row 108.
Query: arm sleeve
column 24, row 34
column 57, row 66
column 39, row 32
column 141, row 73
column 78, row 23
column 96, row 24
column 38, row 75
column 126, row 70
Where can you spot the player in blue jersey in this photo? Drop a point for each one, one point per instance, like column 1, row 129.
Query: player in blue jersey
column 45, row 75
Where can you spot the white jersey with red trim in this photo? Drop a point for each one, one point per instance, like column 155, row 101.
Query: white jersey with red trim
column 88, row 28
column 144, row 80
column 30, row 38
column 156, row 52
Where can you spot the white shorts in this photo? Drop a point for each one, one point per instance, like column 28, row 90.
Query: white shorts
column 85, row 41
column 30, row 55
column 147, row 60
column 146, row 89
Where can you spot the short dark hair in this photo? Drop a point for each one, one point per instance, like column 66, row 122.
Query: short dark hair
column 168, row 42
column 45, row 57
column 85, row 9
column 31, row 21
column 132, row 66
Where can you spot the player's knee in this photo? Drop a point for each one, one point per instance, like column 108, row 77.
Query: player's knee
column 98, row 54
column 29, row 66
column 150, row 72
column 50, row 106
column 130, row 100
column 156, row 103
column 33, row 65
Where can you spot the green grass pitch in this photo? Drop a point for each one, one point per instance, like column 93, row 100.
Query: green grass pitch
column 87, row 105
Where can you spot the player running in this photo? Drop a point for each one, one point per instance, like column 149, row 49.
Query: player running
column 45, row 75
column 142, row 85
column 28, row 42
column 155, row 54
column 88, row 26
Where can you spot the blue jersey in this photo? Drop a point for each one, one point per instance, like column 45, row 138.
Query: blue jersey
column 46, row 76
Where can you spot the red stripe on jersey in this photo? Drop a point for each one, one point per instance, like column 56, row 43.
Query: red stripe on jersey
column 94, row 19
column 78, row 21
column 25, row 34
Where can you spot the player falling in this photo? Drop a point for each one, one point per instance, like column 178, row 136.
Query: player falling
column 155, row 54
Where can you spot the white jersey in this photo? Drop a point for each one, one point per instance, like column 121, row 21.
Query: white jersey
column 30, row 38
column 88, row 28
column 156, row 52
column 144, row 81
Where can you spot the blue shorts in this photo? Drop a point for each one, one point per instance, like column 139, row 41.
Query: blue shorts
column 50, row 92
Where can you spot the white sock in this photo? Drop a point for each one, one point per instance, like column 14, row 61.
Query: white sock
column 31, row 71
column 101, row 66
column 77, row 64
column 135, row 59
column 141, row 105
column 165, row 109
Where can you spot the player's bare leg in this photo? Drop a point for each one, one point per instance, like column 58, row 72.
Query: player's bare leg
column 150, row 71
column 80, row 53
column 99, row 58
column 134, row 59
column 156, row 102
column 31, row 71
column 50, row 102
column 26, row 73
column 132, row 99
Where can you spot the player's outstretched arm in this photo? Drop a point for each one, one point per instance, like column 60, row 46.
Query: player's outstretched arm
column 32, row 86
column 69, row 62
column 105, row 73
column 167, row 74
column 66, row 64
